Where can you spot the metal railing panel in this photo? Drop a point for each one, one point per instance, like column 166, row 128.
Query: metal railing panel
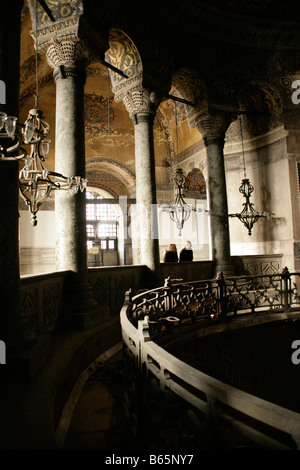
column 257, row 294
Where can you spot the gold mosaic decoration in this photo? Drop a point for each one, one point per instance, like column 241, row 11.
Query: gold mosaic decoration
column 195, row 185
column 123, row 55
column 264, row 106
column 59, row 9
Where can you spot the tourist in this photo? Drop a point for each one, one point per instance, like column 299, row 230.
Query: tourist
column 186, row 254
column 171, row 254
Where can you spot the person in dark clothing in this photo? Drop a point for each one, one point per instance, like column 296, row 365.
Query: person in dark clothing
column 171, row 254
column 186, row 254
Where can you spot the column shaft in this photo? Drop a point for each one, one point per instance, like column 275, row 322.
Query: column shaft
column 218, row 206
column 212, row 127
column 142, row 103
column 70, row 161
column 146, row 191
column 80, row 307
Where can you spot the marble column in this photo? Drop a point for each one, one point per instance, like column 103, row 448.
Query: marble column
column 146, row 190
column 71, row 253
column 141, row 105
column 68, row 60
column 213, row 128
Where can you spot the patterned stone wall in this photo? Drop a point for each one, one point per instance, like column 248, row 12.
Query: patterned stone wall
column 41, row 299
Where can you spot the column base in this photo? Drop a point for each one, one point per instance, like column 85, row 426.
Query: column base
column 81, row 320
column 151, row 279
column 226, row 269
column 80, row 309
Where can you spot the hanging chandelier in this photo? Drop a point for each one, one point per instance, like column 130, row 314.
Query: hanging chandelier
column 36, row 182
column 179, row 211
column 248, row 216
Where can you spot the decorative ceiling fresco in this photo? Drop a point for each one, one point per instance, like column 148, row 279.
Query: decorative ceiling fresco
column 188, row 85
column 123, row 55
column 262, row 108
column 111, row 175
column 57, row 10
column 195, row 185
column 99, row 114
column 109, row 183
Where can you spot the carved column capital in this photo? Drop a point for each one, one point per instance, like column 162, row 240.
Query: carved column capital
column 60, row 31
column 211, row 124
column 67, row 53
column 136, row 98
column 61, row 44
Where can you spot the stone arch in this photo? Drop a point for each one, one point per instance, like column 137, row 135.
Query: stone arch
column 122, row 181
column 99, row 191
column 123, row 55
column 263, row 110
column 195, row 184
column 163, row 122
column 106, row 194
column 188, row 85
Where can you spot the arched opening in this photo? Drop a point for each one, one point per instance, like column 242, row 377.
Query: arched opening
column 108, row 228
column 102, row 229
column 256, row 141
column 123, row 55
column 263, row 109
column 197, row 231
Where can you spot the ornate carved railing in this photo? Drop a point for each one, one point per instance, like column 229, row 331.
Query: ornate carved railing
column 152, row 312
column 185, row 302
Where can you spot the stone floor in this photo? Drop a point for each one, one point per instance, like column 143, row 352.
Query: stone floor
column 105, row 417
column 99, row 421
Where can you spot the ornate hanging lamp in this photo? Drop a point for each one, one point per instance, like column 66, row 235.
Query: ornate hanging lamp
column 36, row 182
column 179, row 211
column 248, row 216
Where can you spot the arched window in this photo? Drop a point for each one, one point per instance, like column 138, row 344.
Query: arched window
column 101, row 224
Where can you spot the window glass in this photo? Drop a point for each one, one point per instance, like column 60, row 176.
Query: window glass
column 106, row 217
column 90, row 230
